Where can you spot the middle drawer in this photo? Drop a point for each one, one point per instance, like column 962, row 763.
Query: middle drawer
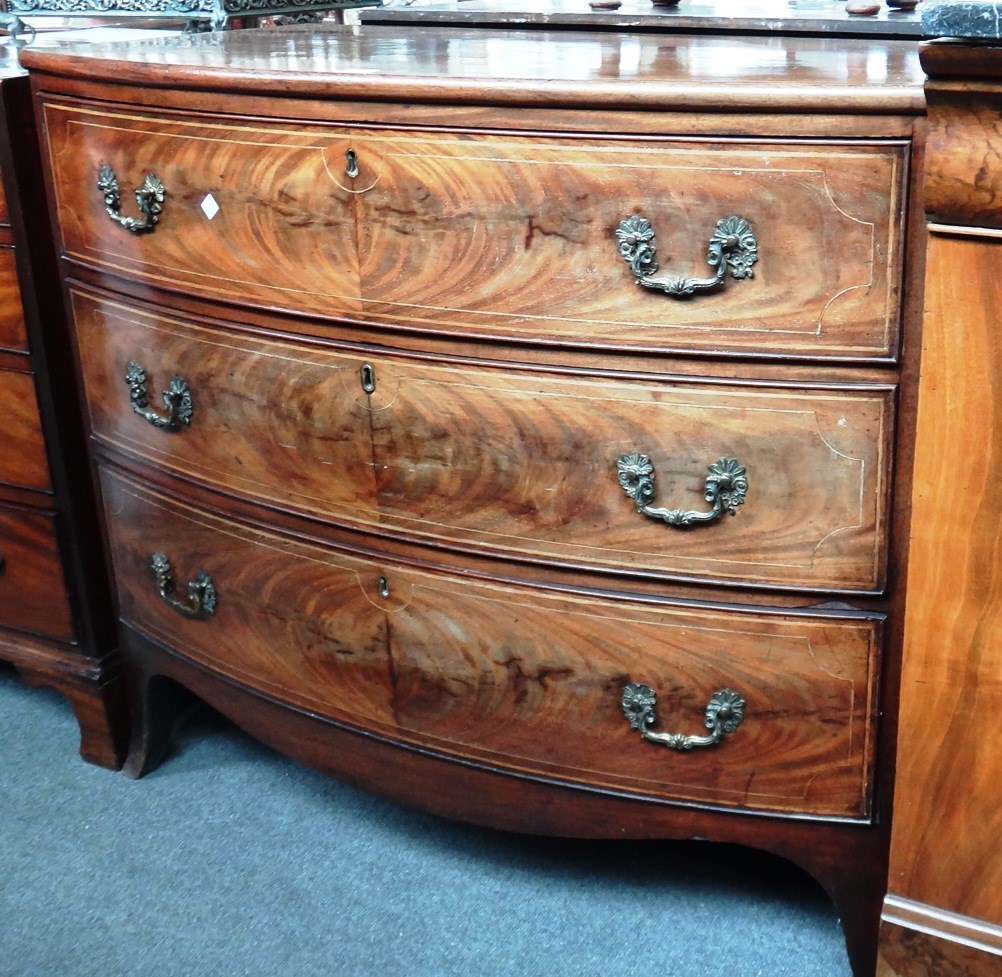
column 577, row 470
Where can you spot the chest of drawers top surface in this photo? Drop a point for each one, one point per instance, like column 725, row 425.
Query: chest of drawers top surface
column 511, row 67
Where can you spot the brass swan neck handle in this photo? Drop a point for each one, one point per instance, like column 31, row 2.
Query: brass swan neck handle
column 202, row 597
column 732, row 247
column 726, row 486
column 724, row 713
column 177, row 399
column 149, row 199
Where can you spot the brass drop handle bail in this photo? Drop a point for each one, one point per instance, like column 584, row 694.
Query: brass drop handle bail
column 733, row 248
column 202, row 597
column 149, row 199
column 177, row 399
column 724, row 713
column 351, row 170
column 726, row 486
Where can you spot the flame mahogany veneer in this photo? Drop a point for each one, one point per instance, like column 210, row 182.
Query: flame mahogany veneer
column 415, row 357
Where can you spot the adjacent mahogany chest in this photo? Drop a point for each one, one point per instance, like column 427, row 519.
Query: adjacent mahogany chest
column 518, row 425
column 56, row 625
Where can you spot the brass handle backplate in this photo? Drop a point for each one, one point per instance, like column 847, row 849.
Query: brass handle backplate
column 149, row 198
column 724, row 713
column 726, row 486
column 733, row 247
column 202, row 595
column 177, row 399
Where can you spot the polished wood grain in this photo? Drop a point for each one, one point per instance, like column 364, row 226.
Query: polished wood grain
column 651, row 72
column 906, row 952
column 32, row 590
column 4, row 210
column 518, row 678
column 528, row 463
column 283, row 423
column 23, row 461
column 293, row 621
column 12, row 331
column 518, row 233
column 284, row 234
column 505, row 460
column 962, row 184
column 943, row 914
column 519, row 240
column 949, row 767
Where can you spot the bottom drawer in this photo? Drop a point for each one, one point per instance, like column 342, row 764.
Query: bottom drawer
column 32, row 589
column 520, row 678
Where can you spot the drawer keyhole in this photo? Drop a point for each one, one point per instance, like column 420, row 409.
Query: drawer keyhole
column 351, row 170
column 368, row 377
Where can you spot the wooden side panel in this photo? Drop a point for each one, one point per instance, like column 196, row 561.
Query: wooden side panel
column 22, row 460
column 519, row 678
column 4, row 211
column 32, row 591
column 948, row 823
column 284, row 232
column 12, row 331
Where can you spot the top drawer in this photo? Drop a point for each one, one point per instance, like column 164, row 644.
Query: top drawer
column 494, row 235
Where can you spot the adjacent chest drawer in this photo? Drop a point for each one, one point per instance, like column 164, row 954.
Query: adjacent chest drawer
column 12, row 332
column 585, row 471
column 519, row 678
column 484, row 234
column 22, row 460
column 32, row 589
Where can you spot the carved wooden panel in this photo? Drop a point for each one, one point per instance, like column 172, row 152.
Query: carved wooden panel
column 22, row 461
column 520, row 678
column 510, row 461
column 516, row 233
column 32, row 592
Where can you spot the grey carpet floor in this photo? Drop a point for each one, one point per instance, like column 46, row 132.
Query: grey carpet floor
column 231, row 861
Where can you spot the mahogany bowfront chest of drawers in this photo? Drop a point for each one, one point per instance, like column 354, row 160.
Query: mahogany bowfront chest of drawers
column 56, row 625
column 516, row 425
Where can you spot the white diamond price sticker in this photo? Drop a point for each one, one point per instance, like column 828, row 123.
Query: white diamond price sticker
column 209, row 206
